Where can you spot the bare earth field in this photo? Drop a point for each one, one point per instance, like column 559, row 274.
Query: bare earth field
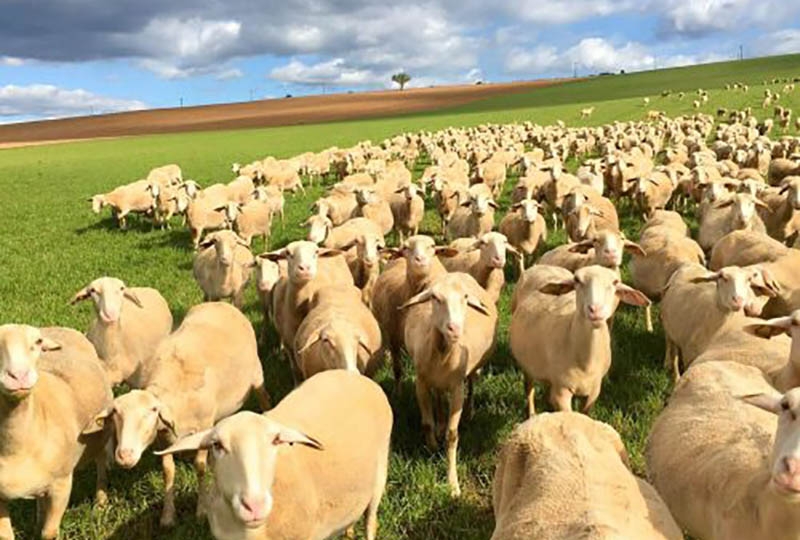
column 253, row 114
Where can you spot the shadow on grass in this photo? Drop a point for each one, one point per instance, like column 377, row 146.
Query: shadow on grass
column 451, row 518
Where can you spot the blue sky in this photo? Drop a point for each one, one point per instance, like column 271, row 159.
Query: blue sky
column 74, row 57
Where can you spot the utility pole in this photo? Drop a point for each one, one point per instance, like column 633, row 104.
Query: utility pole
column 741, row 52
column 574, row 70
column 181, row 102
column 251, row 94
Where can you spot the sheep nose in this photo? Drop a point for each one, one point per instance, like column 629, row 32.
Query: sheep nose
column 303, row 268
column 792, row 465
column 253, row 506
column 737, row 302
column 454, row 329
column 418, row 259
column 125, row 457
column 595, row 311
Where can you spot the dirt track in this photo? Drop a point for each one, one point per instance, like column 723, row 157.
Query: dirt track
column 273, row 112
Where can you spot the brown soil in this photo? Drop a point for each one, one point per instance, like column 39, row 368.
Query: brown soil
column 272, row 112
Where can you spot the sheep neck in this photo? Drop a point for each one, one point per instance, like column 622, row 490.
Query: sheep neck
column 228, row 273
column 773, row 512
column 16, row 419
column 587, row 341
column 112, row 338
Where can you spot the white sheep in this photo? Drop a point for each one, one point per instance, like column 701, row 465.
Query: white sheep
column 136, row 197
column 525, row 229
column 223, row 266
column 484, row 259
column 250, row 220
column 408, row 209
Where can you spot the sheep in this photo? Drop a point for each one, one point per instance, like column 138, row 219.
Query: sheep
column 564, row 475
column 171, row 174
column 267, row 274
column 240, row 189
column 558, row 332
column 361, row 241
column 414, row 270
column 204, row 214
column 474, row 217
column 493, row 174
column 525, row 228
column 718, row 300
column 484, row 259
column 745, row 248
column 587, row 112
column 654, row 191
column 447, row 197
column 737, row 212
column 309, row 267
column 589, row 217
column 336, row 423
column 285, row 177
column 123, row 200
column 374, row 208
column 273, row 196
column 340, row 205
column 169, row 202
column 51, row 386
column 780, row 168
column 319, row 227
column 449, row 333
column 130, row 322
column 408, row 209
column 339, row 332
column 250, row 220
column 782, row 219
column 604, row 249
column 223, row 267
column 202, row 373
column 784, row 271
column 727, row 478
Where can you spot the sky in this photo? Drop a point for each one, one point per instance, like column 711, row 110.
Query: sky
column 77, row 57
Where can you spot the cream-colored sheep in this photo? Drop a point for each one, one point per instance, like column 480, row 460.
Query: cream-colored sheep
column 250, row 220
column 493, row 174
column 267, row 274
column 273, row 196
column 131, row 198
column 240, row 189
column 605, row 249
column 474, row 217
column 204, row 214
column 51, row 386
column 737, row 212
column 375, row 208
column 337, row 424
column 525, row 228
column 563, row 475
column 361, row 241
column 654, row 191
column 782, row 218
column 202, row 373
column 449, row 334
column 408, row 209
column 339, row 205
column 129, row 324
column 735, row 473
column 780, row 168
column 223, row 266
column 171, row 174
column 339, row 332
column 745, row 248
column 559, row 332
column 484, row 259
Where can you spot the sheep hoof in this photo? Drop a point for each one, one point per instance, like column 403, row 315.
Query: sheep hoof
column 168, row 520
column 101, row 499
column 455, row 490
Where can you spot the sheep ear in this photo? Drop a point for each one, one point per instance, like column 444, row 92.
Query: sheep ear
column 558, row 288
column 327, row 252
column 762, row 204
column 493, row 204
column 130, row 295
column 711, row 276
column 511, row 249
column 516, row 206
column 274, row 255
column 197, row 441
column 420, row 298
column 771, row 287
column 80, row 296
column 631, row 296
column 241, row 242
column 391, row 253
column 724, row 204
column 633, row 247
column 311, row 341
column 362, row 342
column 445, row 251
column 771, row 328
column 166, row 418
column 582, row 247
column 48, row 344
column 475, row 303
column 207, row 243
column 350, row 245
column 98, row 423
column 292, row 436
column 770, row 403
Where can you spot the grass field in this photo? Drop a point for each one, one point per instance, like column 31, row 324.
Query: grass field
column 52, row 245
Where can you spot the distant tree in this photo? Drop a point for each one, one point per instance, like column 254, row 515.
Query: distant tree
column 401, row 78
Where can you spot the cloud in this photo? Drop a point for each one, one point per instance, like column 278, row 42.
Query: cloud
column 11, row 61
column 44, row 100
column 700, row 17
column 229, row 74
column 334, row 72
column 785, row 41
column 567, row 11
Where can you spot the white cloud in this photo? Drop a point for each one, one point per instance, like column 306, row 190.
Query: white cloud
column 781, row 42
column 229, row 74
column 334, row 72
column 567, row 11
column 11, row 61
column 44, row 100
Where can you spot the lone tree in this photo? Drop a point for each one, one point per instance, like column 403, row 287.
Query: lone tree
column 401, row 78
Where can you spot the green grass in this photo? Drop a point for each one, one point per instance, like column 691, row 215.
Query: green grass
column 52, row 245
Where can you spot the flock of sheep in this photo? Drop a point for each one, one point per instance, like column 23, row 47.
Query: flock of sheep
column 723, row 456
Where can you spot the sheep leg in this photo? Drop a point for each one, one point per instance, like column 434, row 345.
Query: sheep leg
column 377, row 494
column 262, row 396
column 592, row 398
column 200, row 460
column 672, row 359
column 168, row 512
column 456, row 408
column 561, row 398
column 397, row 368
column 469, row 407
column 123, row 221
column 530, row 395
column 426, row 411
column 56, row 504
column 6, row 531
column 101, row 487
column 238, row 299
column 648, row 318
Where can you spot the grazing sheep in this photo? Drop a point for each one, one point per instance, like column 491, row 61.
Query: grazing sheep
column 449, row 334
column 587, row 112
column 250, row 220
column 493, row 174
column 525, row 228
column 605, row 249
column 562, row 474
column 130, row 322
column 223, row 267
column 484, row 259
column 171, row 174
column 51, row 386
column 130, row 198
column 202, row 373
column 559, row 332
column 240, row 189
column 339, row 205
column 408, row 209
column 780, row 168
column 337, row 424
column 339, row 332
column 267, row 274
column 728, row 478
column 654, row 191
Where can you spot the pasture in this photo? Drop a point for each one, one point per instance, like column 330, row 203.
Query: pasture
column 52, row 245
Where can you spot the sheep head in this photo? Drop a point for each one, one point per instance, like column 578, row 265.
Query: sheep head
column 108, row 296
column 21, row 346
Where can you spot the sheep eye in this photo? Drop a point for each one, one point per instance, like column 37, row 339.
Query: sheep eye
column 39, row 342
column 218, row 447
column 785, row 405
column 153, row 409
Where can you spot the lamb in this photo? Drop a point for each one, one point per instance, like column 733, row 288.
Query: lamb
column 475, row 217
column 336, row 423
column 374, row 208
column 123, row 200
column 737, row 212
column 562, row 474
column 587, row 112
column 292, row 294
column 130, row 322
column 51, row 386
column 408, row 209
column 525, row 228
column 449, row 334
column 250, row 220
column 339, row 332
column 202, row 373
column 484, row 259
column 718, row 301
column 729, row 444
column 559, row 332
column 745, row 248
column 405, row 277
column 223, row 267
